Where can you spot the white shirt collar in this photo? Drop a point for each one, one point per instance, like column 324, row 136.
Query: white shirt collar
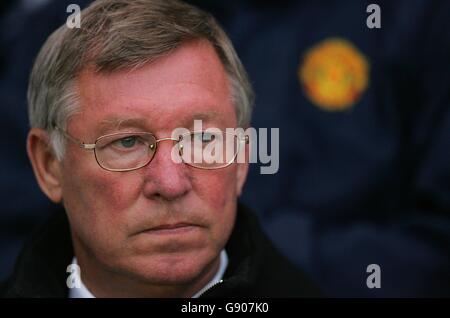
column 83, row 292
column 219, row 275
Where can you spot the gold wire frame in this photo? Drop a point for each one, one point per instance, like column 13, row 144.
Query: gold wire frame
column 86, row 146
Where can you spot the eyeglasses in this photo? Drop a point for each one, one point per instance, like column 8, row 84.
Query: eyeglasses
column 127, row 151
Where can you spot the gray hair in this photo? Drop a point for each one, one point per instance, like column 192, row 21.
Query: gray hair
column 123, row 34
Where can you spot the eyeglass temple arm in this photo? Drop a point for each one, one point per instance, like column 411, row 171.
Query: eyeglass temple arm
column 75, row 140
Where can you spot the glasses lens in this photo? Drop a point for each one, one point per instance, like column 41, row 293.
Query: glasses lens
column 125, row 151
column 211, row 149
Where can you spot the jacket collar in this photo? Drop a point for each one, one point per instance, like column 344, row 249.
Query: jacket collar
column 40, row 270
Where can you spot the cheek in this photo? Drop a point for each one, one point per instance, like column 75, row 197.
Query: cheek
column 217, row 192
column 217, row 187
column 100, row 191
column 97, row 200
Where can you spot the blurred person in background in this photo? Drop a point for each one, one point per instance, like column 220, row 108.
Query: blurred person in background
column 364, row 118
column 24, row 26
column 364, row 122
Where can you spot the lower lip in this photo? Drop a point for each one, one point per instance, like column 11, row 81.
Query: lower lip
column 172, row 231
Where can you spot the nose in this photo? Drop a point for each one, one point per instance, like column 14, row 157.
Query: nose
column 164, row 178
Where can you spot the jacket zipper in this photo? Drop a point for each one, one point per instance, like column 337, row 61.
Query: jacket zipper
column 214, row 285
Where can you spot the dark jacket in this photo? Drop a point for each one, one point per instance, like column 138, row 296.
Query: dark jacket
column 255, row 267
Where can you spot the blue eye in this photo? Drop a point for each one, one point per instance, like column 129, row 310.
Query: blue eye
column 206, row 137
column 128, row 142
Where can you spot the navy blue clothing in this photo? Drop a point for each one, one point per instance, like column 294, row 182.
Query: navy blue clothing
column 369, row 185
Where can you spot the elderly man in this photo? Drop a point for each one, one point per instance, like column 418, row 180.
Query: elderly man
column 104, row 101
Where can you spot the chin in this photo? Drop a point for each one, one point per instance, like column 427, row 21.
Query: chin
column 171, row 269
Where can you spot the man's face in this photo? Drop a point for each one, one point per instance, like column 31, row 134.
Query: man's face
column 114, row 215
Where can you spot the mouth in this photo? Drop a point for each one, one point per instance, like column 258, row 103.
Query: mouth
column 168, row 229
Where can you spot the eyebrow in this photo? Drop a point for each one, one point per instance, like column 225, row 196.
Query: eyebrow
column 188, row 121
column 116, row 122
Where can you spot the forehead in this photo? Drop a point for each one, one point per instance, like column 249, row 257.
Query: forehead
column 190, row 83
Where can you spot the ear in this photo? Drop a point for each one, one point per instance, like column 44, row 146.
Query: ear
column 242, row 170
column 46, row 167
